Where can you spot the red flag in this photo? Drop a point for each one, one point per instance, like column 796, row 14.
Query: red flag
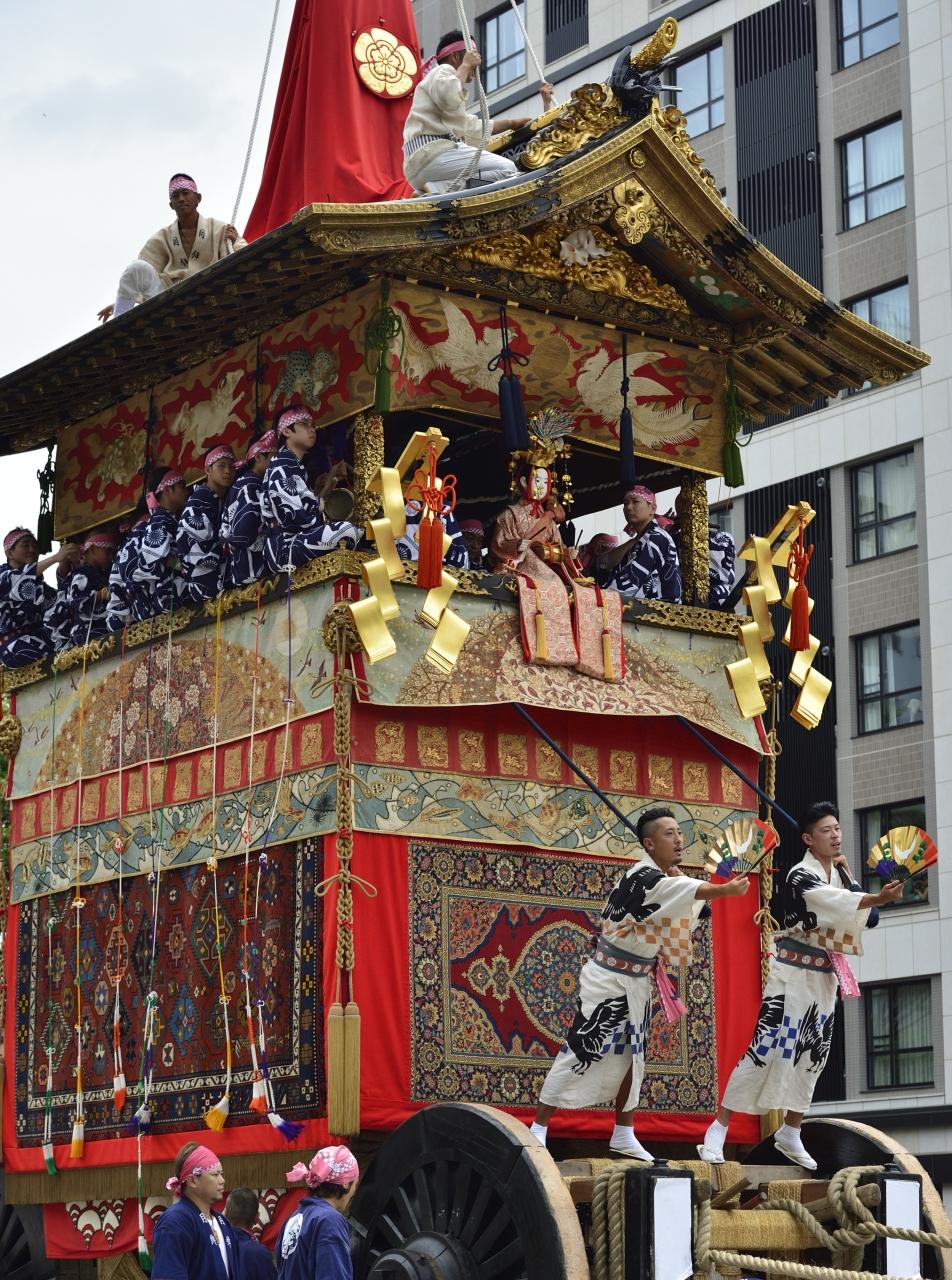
column 346, row 87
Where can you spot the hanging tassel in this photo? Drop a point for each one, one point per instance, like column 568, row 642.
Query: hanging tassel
column 430, row 542
column 512, row 410
column 351, row 1109
column 49, row 1159
column 335, row 1068
column 382, row 329
column 288, row 1129
column 798, row 563
column 141, row 1120
column 44, row 522
column 733, row 426
column 78, row 1143
column 119, row 1091
column 216, row 1116
column 626, row 431
column 541, row 648
column 145, row 1258
column 849, row 987
column 259, row 1095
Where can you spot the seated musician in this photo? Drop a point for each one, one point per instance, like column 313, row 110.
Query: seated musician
column 86, row 592
column 188, row 245
column 148, row 572
column 118, row 612
column 198, row 546
column 473, row 533
column 440, row 138
column 645, row 566
column 242, row 524
column 26, row 599
column 297, row 529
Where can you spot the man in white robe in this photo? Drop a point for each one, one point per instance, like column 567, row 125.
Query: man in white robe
column 823, row 919
column 188, row 245
column 647, row 921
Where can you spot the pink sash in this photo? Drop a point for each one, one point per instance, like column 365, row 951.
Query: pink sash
column 845, row 976
column 672, row 1007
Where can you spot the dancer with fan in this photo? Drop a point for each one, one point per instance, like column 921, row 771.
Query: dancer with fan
column 822, row 923
column 647, row 923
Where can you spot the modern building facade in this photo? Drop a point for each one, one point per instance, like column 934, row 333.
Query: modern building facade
column 828, row 125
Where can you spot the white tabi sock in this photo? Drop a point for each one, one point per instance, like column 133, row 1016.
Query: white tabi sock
column 539, row 1131
column 623, row 1140
column 716, row 1134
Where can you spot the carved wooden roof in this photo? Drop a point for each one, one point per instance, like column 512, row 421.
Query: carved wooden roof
column 619, row 223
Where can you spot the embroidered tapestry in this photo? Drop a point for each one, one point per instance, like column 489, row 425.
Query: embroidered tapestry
column 189, row 1047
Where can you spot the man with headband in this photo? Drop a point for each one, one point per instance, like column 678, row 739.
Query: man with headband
column 645, row 566
column 191, row 1241
column 242, row 524
column 188, row 245
column 440, row 137
column 297, row 530
column 25, row 599
column 148, row 579
column 85, row 595
column 314, row 1243
column 198, row 544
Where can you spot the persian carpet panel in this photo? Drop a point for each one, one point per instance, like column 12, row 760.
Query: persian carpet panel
column 498, row 939
column 189, row 1053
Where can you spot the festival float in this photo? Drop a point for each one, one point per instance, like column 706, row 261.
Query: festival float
column 325, row 856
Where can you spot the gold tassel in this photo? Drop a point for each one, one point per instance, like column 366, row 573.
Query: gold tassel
column 78, row 1143
column 350, row 1109
column 607, row 663
column 216, row 1116
column 335, row 1068
column 541, row 648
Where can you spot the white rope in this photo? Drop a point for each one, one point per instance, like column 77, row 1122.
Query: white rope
column 254, row 122
column 459, row 183
column 528, row 43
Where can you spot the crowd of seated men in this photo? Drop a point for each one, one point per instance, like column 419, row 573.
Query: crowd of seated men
column 261, row 516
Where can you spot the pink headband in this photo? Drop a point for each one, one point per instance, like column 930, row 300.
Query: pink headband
column 268, row 442
column 197, row 1162
column 290, row 416
column 182, row 184
column 168, row 480
column 472, row 526
column 331, row 1164
column 215, row 455
column 14, row 536
column 640, row 491
column 444, row 51
column 99, row 540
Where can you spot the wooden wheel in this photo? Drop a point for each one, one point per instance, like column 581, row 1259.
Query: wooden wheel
column 836, row 1144
column 464, row 1192
column 21, row 1254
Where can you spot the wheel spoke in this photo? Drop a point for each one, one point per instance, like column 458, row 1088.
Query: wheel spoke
column 392, row 1233
column 507, row 1264
column 423, row 1199
column 488, row 1237
column 464, row 1175
column 441, row 1198
column 405, row 1207
column 474, row 1219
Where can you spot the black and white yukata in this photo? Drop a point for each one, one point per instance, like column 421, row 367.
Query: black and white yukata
column 198, row 547
column 647, row 921
column 297, row 530
column 148, row 579
column 243, row 532
column 25, row 600
column 118, row 609
column 83, row 603
column 651, row 570
column 823, row 923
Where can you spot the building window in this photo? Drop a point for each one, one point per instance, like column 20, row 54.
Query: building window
column 866, row 27
column 898, row 1035
column 889, row 679
column 566, row 27
column 884, row 506
column 720, row 517
column 873, row 181
column 502, row 47
column 887, row 309
column 874, row 823
column 701, row 81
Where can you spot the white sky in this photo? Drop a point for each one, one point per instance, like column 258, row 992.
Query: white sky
column 100, row 102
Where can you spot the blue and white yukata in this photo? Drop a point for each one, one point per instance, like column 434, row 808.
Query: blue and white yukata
column 297, row 529
column 186, row 1246
column 791, row 1041
column 243, row 531
column 25, row 600
column 723, row 566
column 86, row 608
column 118, row 611
column 314, row 1243
column 198, row 546
column 408, row 547
column 148, row 580
column 648, row 916
column 651, row 569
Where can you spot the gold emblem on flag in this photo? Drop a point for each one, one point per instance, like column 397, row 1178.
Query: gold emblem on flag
column 385, row 66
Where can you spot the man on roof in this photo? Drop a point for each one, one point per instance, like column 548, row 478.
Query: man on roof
column 440, row 138
column 186, row 246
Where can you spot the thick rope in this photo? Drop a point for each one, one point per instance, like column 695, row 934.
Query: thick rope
column 459, row 183
column 608, row 1224
column 254, row 122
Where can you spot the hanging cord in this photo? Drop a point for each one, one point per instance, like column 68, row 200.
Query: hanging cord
column 51, row 922
column 254, row 122
column 531, row 52
column 77, row 1145
column 459, row 183
column 121, row 957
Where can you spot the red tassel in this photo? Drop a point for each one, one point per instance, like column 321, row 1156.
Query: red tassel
column 430, row 563
column 800, row 618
